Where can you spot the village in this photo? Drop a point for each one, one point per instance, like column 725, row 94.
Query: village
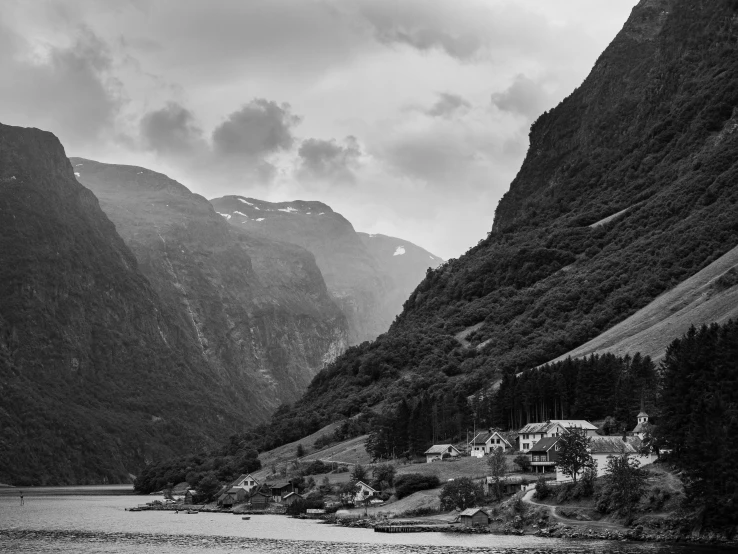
column 394, row 496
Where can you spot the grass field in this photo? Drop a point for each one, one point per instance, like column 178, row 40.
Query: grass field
column 650, row 330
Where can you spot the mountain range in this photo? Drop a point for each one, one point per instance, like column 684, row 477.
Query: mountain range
column 136, row 323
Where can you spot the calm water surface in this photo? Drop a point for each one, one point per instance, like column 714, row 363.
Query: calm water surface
column 111, row 529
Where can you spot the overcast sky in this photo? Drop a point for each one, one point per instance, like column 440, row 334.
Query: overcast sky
column 410, row 117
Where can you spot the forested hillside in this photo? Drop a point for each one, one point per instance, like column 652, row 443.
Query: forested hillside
column 652, row 133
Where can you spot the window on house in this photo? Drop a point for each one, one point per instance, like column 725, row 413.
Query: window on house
column 525, row 446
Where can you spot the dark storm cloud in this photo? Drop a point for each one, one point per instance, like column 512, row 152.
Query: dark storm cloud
column 524, row 97
column 259, row 128
column 326, row 160
column 171, row 130
column 65, row 90
column 447, row 104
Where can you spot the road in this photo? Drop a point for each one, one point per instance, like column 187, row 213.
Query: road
column 528, row 498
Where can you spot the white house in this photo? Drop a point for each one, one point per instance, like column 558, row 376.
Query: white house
column 363, row 492
column 603, row 448
column 437, row 451
column 534, row 432
column 246, row 482
column 483, row 443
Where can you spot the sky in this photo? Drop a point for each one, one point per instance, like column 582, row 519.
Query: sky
column 409, row 117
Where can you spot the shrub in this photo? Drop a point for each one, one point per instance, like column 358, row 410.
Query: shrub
column 462, row 494
column 409, row 483
column 543, row 489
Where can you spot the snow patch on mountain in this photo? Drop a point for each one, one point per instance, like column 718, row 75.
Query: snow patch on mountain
column 399, row 251
column 288, row 209
column 227, row 216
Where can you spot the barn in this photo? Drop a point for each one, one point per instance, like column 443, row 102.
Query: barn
column 474, row 517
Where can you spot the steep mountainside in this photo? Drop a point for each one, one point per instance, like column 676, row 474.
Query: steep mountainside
column 651, row 135
column 257, row 310
column 353, row 276
column 95, row 377
column 403, row 263
column 710, row 295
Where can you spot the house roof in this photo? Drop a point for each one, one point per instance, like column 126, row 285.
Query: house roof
column 545, row 444
column 235, row 490
column 643, row 414
column 292, row 494
column 473, row 511
column 440, row 449
column 535, row 428
column 643, row 427
column 367, row 486
column 610, row 445
column 575, row 423
column 245, row 476
column 482, row 438
column 280, row 485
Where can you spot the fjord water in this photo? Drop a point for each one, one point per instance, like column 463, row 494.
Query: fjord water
column 68, row 522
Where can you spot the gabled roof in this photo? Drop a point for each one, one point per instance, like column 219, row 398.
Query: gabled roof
column 292, row 494
column 535, row 428
column 545, row 444
column 610, row 445
column 245, row 476
column 482, row 438
column 367, row 486
column 575, row 424
column 440, row 449
column 645, row 427
column 473, row 511
column 280, row 485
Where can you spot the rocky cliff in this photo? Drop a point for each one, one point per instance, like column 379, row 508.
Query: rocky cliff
column 354, row 277
column 96, row 379
column 257, row 310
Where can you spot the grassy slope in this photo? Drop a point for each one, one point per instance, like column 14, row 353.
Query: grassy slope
column 695, row 301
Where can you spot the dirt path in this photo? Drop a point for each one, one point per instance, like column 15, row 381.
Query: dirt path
column 528, row 498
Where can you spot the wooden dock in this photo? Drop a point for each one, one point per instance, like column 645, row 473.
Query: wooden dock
column 407, row 528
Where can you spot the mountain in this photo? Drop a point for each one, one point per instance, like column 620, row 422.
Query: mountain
column 403, row 263
column 257, row 310
column 95, row 378
column 627, row 190
column 353, row 276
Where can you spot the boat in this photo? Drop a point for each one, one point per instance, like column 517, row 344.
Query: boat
column 192, row 512
column 135, row 510
column 246, row 517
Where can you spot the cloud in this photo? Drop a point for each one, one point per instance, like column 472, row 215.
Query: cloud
column 259, row 128
column 524, row 96
column 447, row 104
column 67, row 90
column 326, row 160
column 172, row 130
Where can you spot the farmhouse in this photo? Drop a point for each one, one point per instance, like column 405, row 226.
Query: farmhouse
column 363, row 492
column 190, row 496
column 603, row 448
column 544, row 454
column 483, row 443
column 474, row 517
column 644, row 427
column 437, row 452
column 246, row 482
column 533, row 432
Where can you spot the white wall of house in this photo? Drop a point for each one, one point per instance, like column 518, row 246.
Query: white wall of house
column 527, row 440
column 601, row 461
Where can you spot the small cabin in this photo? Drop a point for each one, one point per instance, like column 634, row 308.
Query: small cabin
column 281, row 489
column 190, row 497
column 439, row 451
column 474, row 517
column 260, row 500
